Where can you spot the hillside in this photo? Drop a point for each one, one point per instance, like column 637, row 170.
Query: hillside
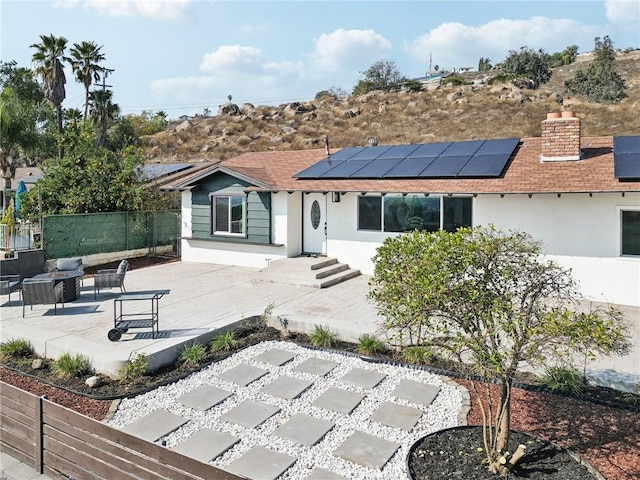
column 477, row 111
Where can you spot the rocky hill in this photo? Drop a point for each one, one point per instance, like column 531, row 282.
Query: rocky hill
column 439, row 113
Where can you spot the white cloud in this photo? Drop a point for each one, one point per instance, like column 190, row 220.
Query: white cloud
column 457, row 45
column 622, row 11
column 155, row 9
column 346, row 49
column 233, row 59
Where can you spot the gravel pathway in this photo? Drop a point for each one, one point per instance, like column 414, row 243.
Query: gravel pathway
column 442, row 413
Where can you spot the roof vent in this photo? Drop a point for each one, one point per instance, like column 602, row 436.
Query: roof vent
column 372, row 141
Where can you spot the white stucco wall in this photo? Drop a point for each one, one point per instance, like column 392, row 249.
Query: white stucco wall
column 239, row 254
column 287, row 221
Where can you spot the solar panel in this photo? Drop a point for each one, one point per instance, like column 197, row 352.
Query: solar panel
column 485, row 165
column 318, row 169
column 398, row 151
column 457, row 149
column 475, row 158
column 409, row 167
column 345, row 169
column 377, row 168
column 626, row 157
column 628, row 144
column 369, row 153
column 505, row 146
column 445, row 166
column 430, row 149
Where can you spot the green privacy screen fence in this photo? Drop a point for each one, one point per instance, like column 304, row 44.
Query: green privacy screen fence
column 86, row 234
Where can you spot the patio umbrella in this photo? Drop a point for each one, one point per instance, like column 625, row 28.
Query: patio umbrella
column 20, row 190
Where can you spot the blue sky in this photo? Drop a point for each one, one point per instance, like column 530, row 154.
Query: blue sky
column 182, row 56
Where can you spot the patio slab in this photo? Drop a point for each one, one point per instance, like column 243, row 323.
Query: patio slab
column 243, row 374
column 367, row 450
column 416, row 392
column 316, row 366
column 286, row 387
column 322, row 474
column 250, row 413
column 204, row 397
column 394, row 415
column 304, row 429
column 206, row 444
column 155, row 425
column 261, row 463
column 339, row 400
column 362, row 377
column 275, row 356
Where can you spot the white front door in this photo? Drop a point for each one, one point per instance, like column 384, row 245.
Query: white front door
column 314, row 223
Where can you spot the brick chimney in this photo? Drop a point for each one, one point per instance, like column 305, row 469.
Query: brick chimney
column 561, row 137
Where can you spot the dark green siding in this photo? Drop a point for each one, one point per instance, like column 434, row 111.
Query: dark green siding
column 258, row 210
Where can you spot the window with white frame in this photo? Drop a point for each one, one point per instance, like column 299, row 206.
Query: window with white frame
column 228, row 214
column 630, row 232
column 402, row 213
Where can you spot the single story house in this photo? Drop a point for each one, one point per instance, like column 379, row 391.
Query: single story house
column 579, row 196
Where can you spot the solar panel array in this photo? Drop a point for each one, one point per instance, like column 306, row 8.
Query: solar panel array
column 626, row 157
column 476, row 158
column 157, row 170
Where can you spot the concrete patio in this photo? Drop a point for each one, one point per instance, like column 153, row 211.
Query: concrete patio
column 205, row 299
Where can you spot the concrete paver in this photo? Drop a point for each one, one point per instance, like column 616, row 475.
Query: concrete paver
column 206, row 444
column 250, row 413
column 362, row 377
column 204, row 397
column 316, row 366
column 322, row 474
column 286, row 387
column 275, row 356
column 155, row 425
column 339, row 400
column 394, row 415
column 243, row 374
column 261, row 463
column 416, row 392
column 367, row 450
column 304, row 429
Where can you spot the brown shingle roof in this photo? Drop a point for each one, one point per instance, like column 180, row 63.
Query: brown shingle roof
column 524, row 174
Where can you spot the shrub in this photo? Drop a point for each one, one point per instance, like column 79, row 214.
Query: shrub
column 133, row 369
column 564, row 379
column 455, row 79
column 369, row 345
column 193, row 355
column 418, row 355
column 224, row 342
column 323, row 337
column 16, row 348
column 68, row 366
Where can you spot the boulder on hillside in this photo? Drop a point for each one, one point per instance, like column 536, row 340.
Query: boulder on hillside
column 228, row 109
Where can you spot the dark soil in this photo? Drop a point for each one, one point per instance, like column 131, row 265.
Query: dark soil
column 459, row 454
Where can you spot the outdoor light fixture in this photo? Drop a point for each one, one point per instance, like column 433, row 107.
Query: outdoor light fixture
column 335, row 198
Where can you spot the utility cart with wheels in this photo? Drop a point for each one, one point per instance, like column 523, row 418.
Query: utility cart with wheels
column 148, row 318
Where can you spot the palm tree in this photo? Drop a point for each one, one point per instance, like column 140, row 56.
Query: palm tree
column 85, row 59
column 103, row 111
column 48, row 61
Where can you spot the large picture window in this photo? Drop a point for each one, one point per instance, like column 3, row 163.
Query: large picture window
column 228, row 214
column 402, row 213
column 630, row 223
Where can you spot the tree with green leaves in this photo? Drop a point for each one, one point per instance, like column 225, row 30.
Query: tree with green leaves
column 48, row 62
column 484, row 64
column 103, row 112
column 527, row 68
column 85, row 62
column 490, row 301
column 599, row 82
column 565, row 57
column 382, row 75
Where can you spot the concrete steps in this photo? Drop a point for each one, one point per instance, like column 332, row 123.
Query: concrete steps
column 319, row 272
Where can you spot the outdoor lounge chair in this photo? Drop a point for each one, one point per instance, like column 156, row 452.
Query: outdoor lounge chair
column 110, row 278
column 67, row 264
column 9, row 284
column 41, row 292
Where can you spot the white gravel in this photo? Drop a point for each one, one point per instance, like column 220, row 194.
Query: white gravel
column 442, row 413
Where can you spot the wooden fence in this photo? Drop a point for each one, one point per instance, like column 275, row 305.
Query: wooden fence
column 64, row 444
